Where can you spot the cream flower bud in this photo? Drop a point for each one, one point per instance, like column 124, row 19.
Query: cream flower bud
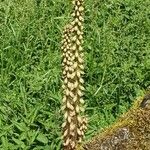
column 76, row 54
column 73, row 58
column 78, row 42
column 64, row 72
column 66, row 115
column 72, row 144
column 67, row 142
column 74, row 47
column 64, row 99
column 73, row 23
column 71, row 70
column 82, row 55
column 65, row 81
column 79, row 132
column 72, row 113
column 82, row 72
column 69, row 119
column 64, row 124
column 78, row 14
column 85, row 120
column 76, row 84
column 71, row 94
column 62, row 47
column 65, row 44
column 68, row 63
column 81, row 66
column 73, row 15
column 68, row 75
column 79, row 24
column 63, row 87
column 80, row 93
column 67, row 55
column 80, row 48
column 76, row 7
column 72, row 126
column 76, row 28
column 67, row 92
column 74, row 38
column 81, row 18
column 75, row 65
column 82, row 133
column 79, row 119
column 81, row 8
column 69, row 106
column 70, row 85
column 81, row 87
column 78, row 3
column 75, row 98
column 80, row 140
column 78, row 74
column 65, row 133
column 80, row 60
column 74, row 2
column 65, row 49
column 78, row 32
column 63, row 107
column 72, row 75
column 77, row 109
column 80, row 37
column 81, row 101
column 85, row 128
column 82, row 109
column 66, row 68
column 72, row 133
column 76, row 20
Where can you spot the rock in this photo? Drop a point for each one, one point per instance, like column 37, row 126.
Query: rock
column 130, row 132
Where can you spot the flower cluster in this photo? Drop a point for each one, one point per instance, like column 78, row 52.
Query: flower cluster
column 73, row 70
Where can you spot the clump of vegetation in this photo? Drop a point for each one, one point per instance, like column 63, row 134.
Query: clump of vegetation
column 117, row 66
column 130, row 132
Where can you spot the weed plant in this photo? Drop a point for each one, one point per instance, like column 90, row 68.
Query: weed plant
column 117, row 55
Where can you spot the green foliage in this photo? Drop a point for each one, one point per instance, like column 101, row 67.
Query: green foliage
column 117, row 54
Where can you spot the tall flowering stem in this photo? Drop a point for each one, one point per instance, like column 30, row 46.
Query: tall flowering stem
column 75, row 123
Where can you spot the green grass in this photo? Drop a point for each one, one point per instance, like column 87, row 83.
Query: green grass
column 117, row 55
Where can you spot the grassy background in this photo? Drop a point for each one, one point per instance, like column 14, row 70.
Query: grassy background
column 117, row 55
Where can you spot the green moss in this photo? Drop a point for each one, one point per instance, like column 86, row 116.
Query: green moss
column 130, row 132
